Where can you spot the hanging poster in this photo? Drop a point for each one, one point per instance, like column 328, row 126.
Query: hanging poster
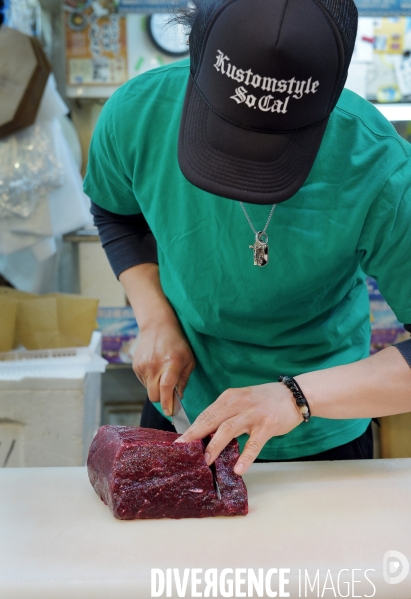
column 383, row 8
column 150, row 6
column 96, row 50
column 385, row 328
column 389, row 35
column 119, row 330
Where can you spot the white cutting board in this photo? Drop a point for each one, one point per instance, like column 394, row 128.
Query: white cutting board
column 59, row 541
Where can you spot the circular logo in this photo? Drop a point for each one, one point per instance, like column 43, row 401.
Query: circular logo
column 395, row 567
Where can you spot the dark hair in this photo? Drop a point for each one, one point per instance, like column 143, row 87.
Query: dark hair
column 195, row 19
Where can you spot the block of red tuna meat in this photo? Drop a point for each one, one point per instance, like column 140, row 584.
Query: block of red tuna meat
column 142, row 473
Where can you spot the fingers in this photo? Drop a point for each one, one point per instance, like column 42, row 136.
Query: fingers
column 228, row 430
column 232, row 428
column 261, row 411
column 168, row 381
column 225, row 432
column 153, row 388
column 162, row 361
column 184, row 376
column 207, row 422
column 171, row 378
column 211, row 418
column 251, row 450
column 238, row 411
column 161, row 388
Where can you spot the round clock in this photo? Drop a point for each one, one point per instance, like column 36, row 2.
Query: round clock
column 167, row 37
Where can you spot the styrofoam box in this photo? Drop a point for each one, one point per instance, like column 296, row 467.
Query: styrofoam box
column 49, row 421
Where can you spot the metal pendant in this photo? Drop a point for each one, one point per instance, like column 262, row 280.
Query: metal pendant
column 260, row 248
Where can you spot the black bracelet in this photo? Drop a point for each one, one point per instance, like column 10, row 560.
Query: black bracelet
column 295, row 389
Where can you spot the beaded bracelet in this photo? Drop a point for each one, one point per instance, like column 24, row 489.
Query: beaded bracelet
column 295, row 389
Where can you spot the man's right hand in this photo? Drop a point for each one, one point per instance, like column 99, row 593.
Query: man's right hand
column 162, row 361
column 163, row 358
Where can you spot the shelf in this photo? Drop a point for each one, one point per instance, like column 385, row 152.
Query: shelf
column 82, row 235
column 116, row 366
column 96, row 92
column 395, row 112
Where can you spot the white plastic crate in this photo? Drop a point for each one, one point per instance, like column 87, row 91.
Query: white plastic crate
column 72, row 362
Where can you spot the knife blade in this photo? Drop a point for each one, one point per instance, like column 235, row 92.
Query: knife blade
column 181, row 423
column 179, row 418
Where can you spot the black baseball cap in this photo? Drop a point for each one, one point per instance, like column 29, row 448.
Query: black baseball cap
column 264, row 78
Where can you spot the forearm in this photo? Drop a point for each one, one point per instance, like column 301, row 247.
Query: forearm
column 143, row 288
column 132, row 252
column 163, row 358
column 377, row 386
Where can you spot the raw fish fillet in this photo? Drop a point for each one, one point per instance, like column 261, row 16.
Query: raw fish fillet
column 142, row 473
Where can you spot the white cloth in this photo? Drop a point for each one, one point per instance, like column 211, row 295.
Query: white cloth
column 51, row 203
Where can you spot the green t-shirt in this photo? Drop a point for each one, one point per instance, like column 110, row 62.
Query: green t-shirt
column 306, row 310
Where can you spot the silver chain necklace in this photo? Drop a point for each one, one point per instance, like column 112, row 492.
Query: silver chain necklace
column 260, row 246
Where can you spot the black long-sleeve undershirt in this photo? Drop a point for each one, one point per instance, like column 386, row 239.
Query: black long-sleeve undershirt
column 128, row 241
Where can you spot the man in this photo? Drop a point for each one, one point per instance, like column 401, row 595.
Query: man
column 265, row 202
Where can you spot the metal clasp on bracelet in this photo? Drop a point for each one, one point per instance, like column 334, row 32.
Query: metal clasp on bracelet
column 300, row 400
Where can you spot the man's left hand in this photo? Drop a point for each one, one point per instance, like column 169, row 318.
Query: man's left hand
column 261, row 411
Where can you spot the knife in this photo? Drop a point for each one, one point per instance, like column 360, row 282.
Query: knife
column 181, row 424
